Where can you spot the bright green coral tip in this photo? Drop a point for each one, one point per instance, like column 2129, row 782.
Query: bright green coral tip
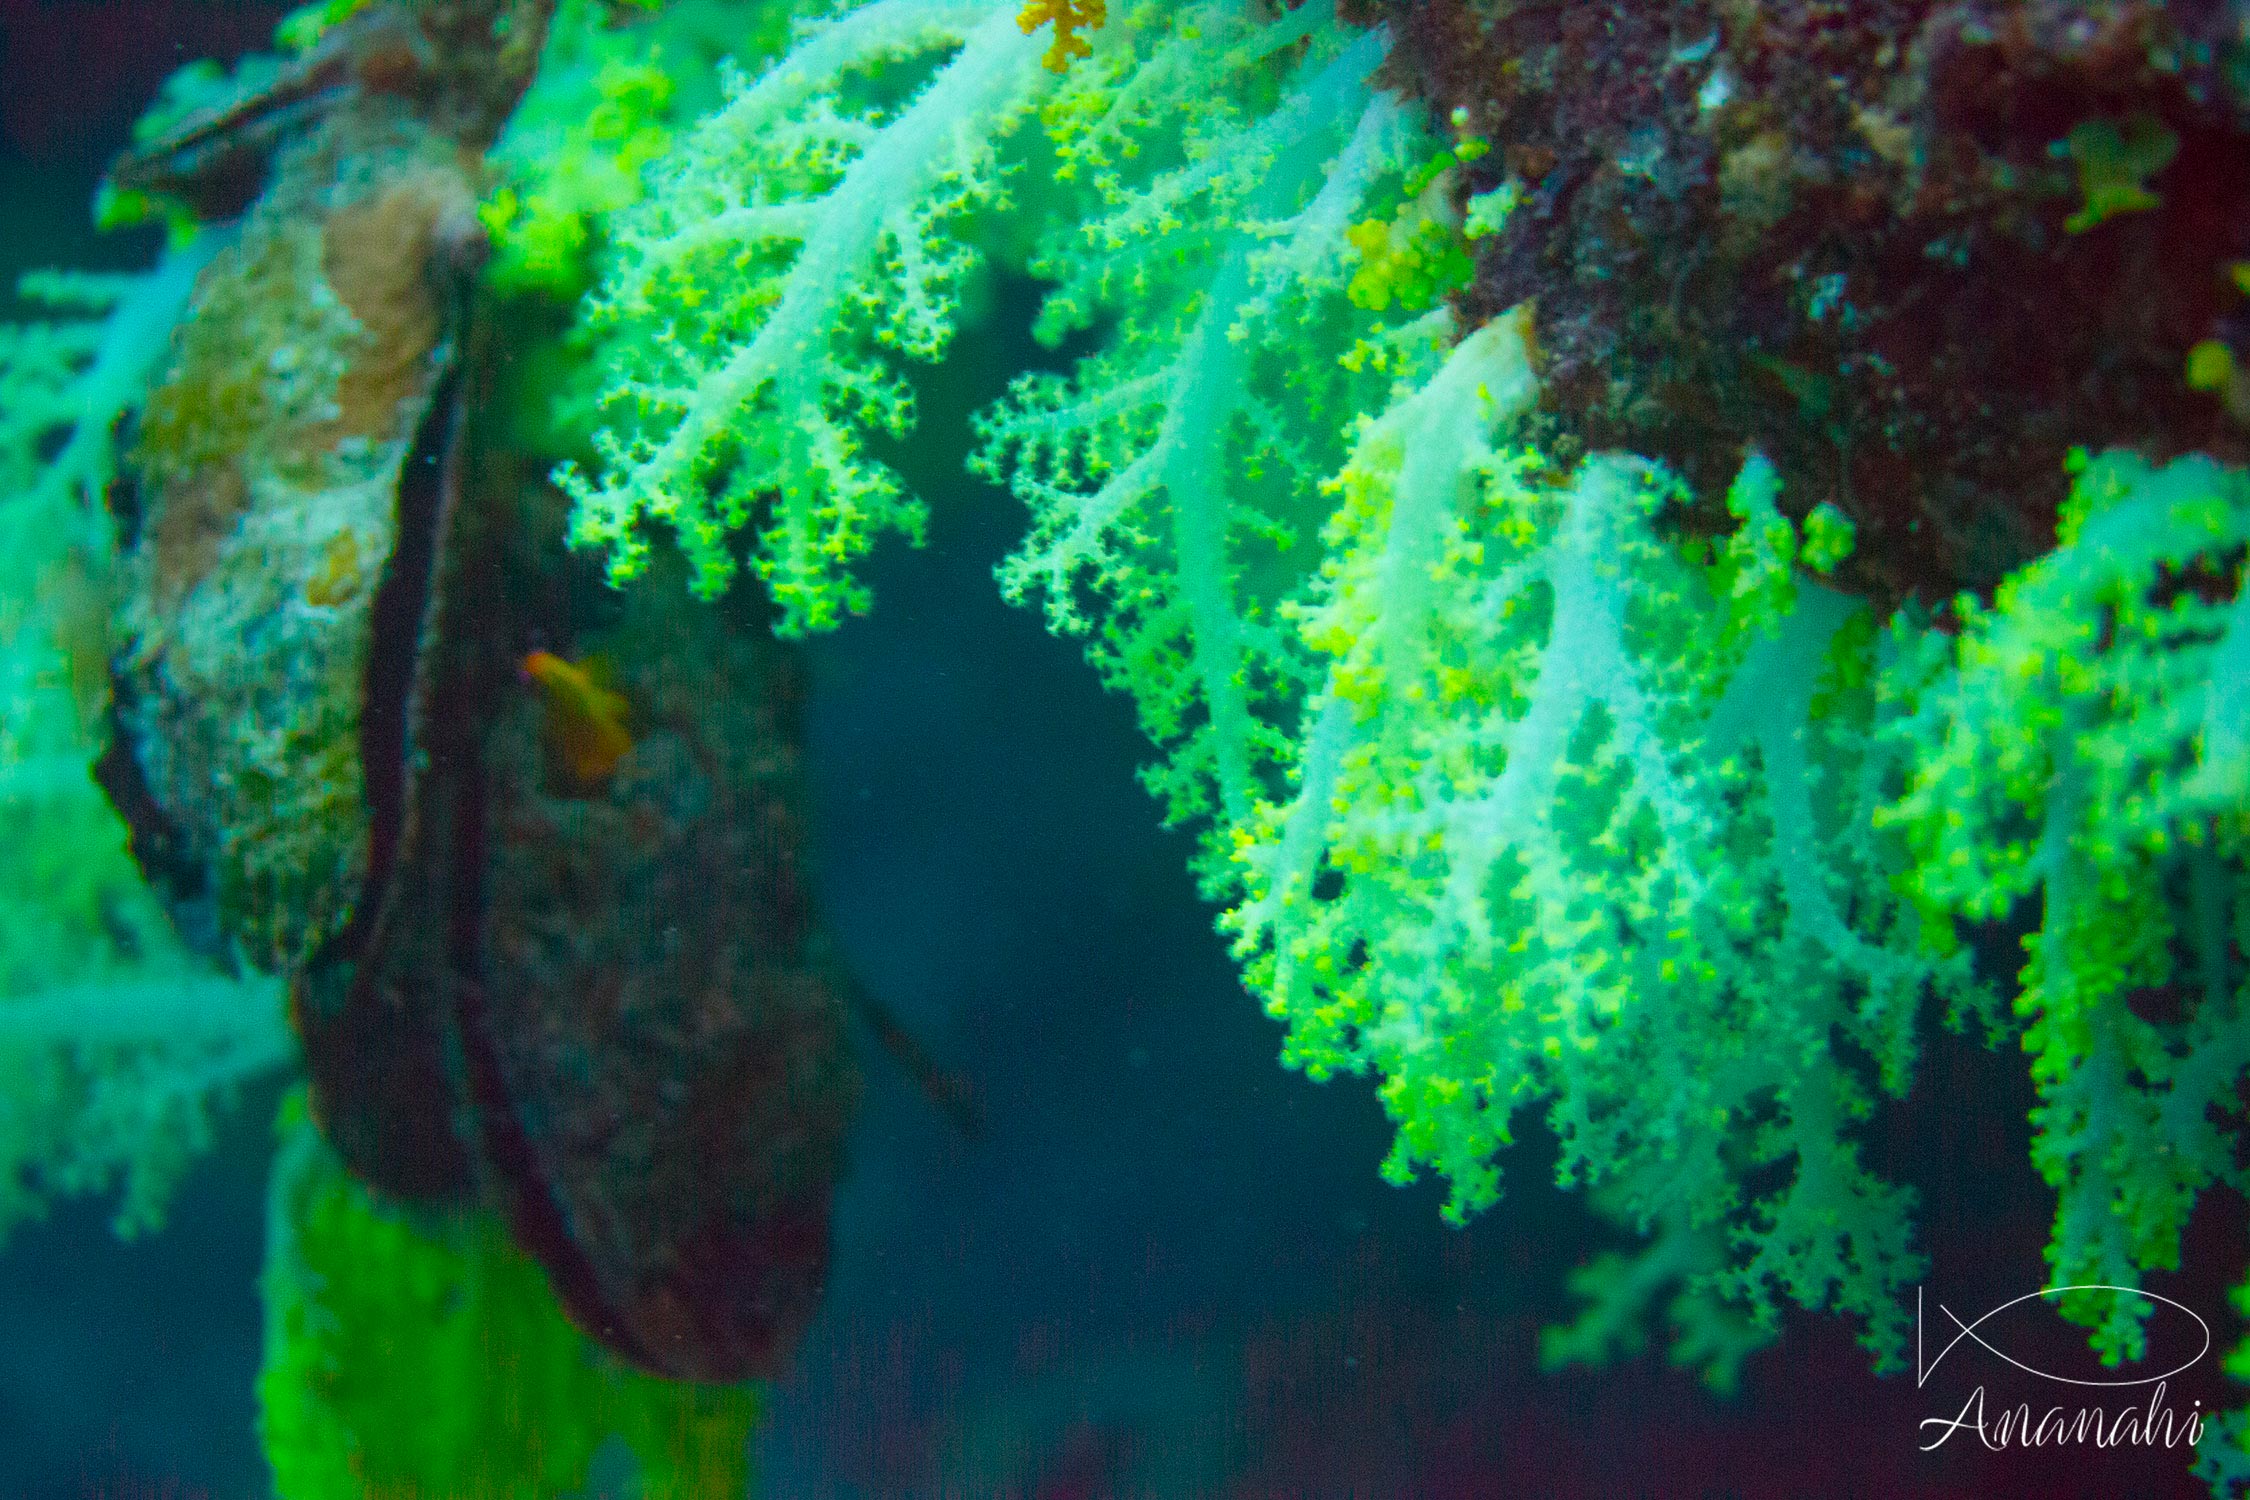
column 302, row 29
column 1828, row 539
column 425, row 1355
column 2114, row 165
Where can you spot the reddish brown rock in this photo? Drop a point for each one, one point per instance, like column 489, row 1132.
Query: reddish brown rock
column 1851, row 234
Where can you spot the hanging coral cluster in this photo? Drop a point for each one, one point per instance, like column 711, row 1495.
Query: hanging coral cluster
column 1639, row 751
column 1530, row 777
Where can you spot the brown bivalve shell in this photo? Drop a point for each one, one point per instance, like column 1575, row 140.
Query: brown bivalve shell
column 281, row 541
column 655, row 1044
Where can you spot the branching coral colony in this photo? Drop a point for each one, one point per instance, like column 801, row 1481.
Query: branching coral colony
column 1530, row 774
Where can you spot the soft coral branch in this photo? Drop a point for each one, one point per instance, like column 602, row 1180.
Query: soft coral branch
column 2066, row 755
column 1135, row 470
column 792, row 241
column 114, row 1043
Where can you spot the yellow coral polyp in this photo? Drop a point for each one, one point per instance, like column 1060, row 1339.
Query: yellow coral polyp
column 1070, row 18
column 1414, row 257
column 2210, row 366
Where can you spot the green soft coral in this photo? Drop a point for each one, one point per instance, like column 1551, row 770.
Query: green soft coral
column 1421, row 252
column 585, row 165
column 114, row 1041
column 2080, row 747
column 1459, row 753
column 801, row 239
column 2115, row 162
column 1517, row 798
column 1173, row 478
column 2222, row 1458
column 1211, row 165
column 424, row 1357
column 1491, row 881
column 612, row 91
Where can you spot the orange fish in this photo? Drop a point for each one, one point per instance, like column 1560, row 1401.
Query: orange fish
column 585, row 721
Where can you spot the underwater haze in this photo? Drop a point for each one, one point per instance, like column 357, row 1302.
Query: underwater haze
column 1389, row 749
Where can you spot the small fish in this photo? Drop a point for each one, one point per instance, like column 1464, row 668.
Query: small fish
column 585, row 721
